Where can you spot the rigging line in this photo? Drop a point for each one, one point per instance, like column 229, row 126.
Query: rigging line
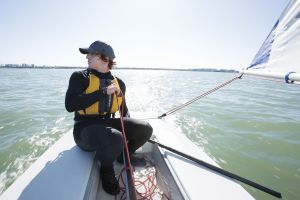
column 150, row 118
column 199, row 97
column 126, row 157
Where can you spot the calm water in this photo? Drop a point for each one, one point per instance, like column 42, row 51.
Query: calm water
column 251, row 127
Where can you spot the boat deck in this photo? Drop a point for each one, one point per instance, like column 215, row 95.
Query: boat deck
column 66, row 172
column 152, row 180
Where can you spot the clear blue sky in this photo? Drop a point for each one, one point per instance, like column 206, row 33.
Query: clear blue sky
column 143, row 33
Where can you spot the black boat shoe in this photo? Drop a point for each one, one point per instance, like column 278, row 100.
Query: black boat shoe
column 109, row 181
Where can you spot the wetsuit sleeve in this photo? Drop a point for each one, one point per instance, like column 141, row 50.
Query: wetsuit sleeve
column 123, row 89
column 76, row 99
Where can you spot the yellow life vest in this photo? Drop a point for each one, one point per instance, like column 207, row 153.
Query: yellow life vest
column 109, row 103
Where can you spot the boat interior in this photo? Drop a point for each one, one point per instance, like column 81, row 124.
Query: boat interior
column 152, row 181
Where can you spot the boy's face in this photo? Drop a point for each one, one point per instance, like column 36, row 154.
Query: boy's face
column 95, row 62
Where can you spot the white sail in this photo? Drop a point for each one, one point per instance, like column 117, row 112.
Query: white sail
column 279, row 56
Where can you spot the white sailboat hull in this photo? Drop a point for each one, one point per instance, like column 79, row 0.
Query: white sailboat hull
column 66, row 172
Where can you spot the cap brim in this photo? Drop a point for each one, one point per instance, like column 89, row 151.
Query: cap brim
column 84, row 50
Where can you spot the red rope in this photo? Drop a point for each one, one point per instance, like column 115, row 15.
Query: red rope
column 125, row 142
column 149, row 184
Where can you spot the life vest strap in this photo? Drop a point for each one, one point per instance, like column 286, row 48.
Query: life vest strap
column 106, row 116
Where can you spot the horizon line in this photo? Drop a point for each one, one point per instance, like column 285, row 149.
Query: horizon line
column 206, row 69
column 116, row 67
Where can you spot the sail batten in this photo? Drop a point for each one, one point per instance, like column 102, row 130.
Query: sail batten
column 279, row 57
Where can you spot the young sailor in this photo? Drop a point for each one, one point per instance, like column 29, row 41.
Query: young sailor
column 93, row 95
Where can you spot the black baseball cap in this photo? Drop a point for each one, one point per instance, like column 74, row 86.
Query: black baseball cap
column 99, row 47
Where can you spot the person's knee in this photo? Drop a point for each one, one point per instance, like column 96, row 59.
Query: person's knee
column 148, row 130
column 116, row 142
column 113, row 148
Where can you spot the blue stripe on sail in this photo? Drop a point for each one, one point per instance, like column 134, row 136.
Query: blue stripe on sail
column 263, row 54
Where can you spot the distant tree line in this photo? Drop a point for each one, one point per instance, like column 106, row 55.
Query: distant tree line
column 119, row 68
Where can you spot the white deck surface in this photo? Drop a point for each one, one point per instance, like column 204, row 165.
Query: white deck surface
column 62, row 172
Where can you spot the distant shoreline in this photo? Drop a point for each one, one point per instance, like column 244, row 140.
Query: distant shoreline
column 121, row 68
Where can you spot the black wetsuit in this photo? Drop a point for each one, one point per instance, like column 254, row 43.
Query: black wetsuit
column 102, row 133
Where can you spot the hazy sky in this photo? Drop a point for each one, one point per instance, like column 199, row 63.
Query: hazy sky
column 143, row 33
